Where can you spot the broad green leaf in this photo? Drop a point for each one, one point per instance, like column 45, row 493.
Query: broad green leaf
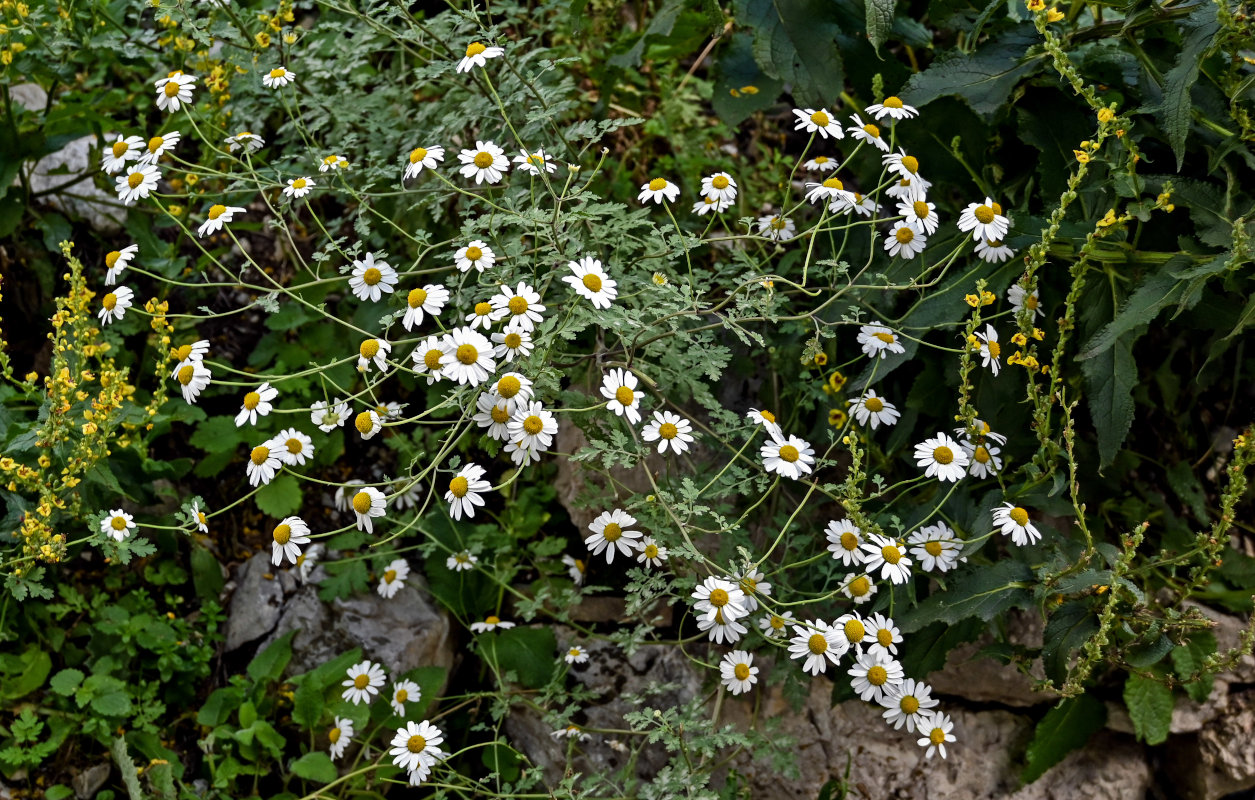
column 502, row 759
column 112, row 704
column 984, row 79
column 742, row 87
column 879, row 21
column 1110, row 378
column 206, row 574
column 1147, row 655
column 931, row 645
column 219, row 435
column 66, row 681
column 280, row 497
column 218, row 706
column 981, row 591
column 796, row 43
column 1150, row 707
column 528, row 652
column 315, row 766
column 1188, row 658
column 268, row 665
column 1174, row 112
column 33, row 668
column 1156, row 292
column 1065, row 727
column 659, row 28
column 1066, row 630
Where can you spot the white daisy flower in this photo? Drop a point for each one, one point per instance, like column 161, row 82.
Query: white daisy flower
column 1019, row 298
column 329, row 416
column 893, row 108
column 993, row 251
column 390, row 583
column 658, row 190
column 429, row 299
column 879, row 341
column 423, row 158
column 752, row 584
column 363, row 683
column 737, row 672
column 781, row 229
column 217, row 216
column 467, row 357
column 719, row 596
column 669, row 429
column 532, row 427
column 831, row 189
column 990, row 349
column 477, row 55
column 174, row 91
column 372, row 279
column 486, row 163
column 287, row 535
column 936, row 728
column 860, row 588
column 819, row 644
column 199, row 518
column 984, row 459
column 921, row 215
column 651, row 552
column 619, row 388
column 851, row 630
column 942, row 457
column 909, row 189
column 245, row 140
column 278, row 77
column 866, row 132
column 571, row 732
column 845, row 542
column 461, row 562
column 820, row 164
column 533, row 163
column 905, row 241
column 818, row 121
column 493, row 414
column 188, row 353
column 857, row 203
column 886, row 555
column 333, row 163
column 1013, row 521
column 118, row 524
column 791, row 457
column 706, row 205
column 406, row 494
column 118, row 260
column 477, row 255
column 575, row 569
column 872, row 673
column 874, row 411
column 427, row 358
column 591, row 282
column 984, row 220
column 403, row 691
column 904, row 166
column 339, row 737
column 368, row 503
column 611, row 532
column 464, row 491
column 299, row 187
column 263, row 463
column 885, row 635
column 766, row 419
column 115, row 156
column 114, row 304
column 375, row 350
column 936, row 547
column 721, row 187
column 158, row 146
column 980, row 433
column 776, row 626
column 480, row 316
column 520, row 307
column 491, row 623
column 344, row 493
column 511, row 343
column 193, row 378
column 721, row 630
column 575, row 655
column 292, row 447
column 906, row 703
column 138, row 182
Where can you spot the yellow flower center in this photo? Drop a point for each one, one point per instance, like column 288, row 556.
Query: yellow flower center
column 719, row 182
column 467, row 354
column 536, row 160
column 1031, row 301
column 389, row 577
column 416, row 744
column 887, row 338
column 921, row 209
column 749, row 585
column 871, row 130
column 891, row 554
column 364, row 423
column 884, row 636
column 299, row 183
column 509, row 386
column 849, row 541
column 533, row 425
column 216, row 211
column 854, row 630
column 499, row 415
column 985, row 214
column 943, row 455
column 283, row 533
column 981, row 454
column 369, row 348
column 372, row 276
column 574, row 652
column 592, row 282
column 719, row 598
column 512, row 340
column 119, row 149
column 817, row 644
column 260, row 454
column 657, row 184
column 402, row 694
column 877, row 675
column 517, row 305
column 909, row 704
column 767, row 415
column 668, row 431
column 112, row 258
column 483, row 160
column 873, row 404
column 910, row 164
column 431, row 359
column 252, row 400
column 625, row 396
column 612, row 532
column 741, row 671
column 1019, row 516
column 171, row 89
column 295, row 446
column 995, row 349
column 820, row 119
column 777, row 622
column 860, row 586
column 278, row 72
column 933, row 548
column 833, row 183
column 417, row 297
column 334, row 735
column 938, row 736
column 361, row 681
column 118, row 523
column 474, row 49
column 651, row 551
column 892, row 102
column 778, row 224
column 134, row 179
column 418, row 154
column 788, row 453
column 361, row 502
column 904, row 234
column 459, row 486
column 110, row 301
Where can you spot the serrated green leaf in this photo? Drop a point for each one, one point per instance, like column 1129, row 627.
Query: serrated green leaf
column 1176, row 109
column 742, row 88
column 1189, row 658
column 796, row 43
column 281, row 497
column 1066, row 630
column 931, row 645
column 1150, row 707
column 218, row 435
column 1110, row 378
column 528, row 652
column 981, row 591
column 1155, row 293
column 112, row 704
column 66, row 681
column 1065, row 727
column 879, row 21
column 315, row 766
column 984, row 79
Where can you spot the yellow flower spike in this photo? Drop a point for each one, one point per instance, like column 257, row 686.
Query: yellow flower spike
column 1081, row 156
column 1105, row 115
column 1054, row 15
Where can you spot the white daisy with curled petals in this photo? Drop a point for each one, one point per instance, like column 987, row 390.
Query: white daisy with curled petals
column 339, row 736
column 368, row 503
column 893, row 108
column 860, row 588
column 942, row 458
column 422, row 158
column 936, row 547
column 984, row 220
column 514, row 389
column 990, row 349
column 520, row 307
column 752, row 583
column 720, row 187
column 363, row 683
column 174, row 91
column 719, row 596
column 1019, row 298
column 299, row 187
column 193, row 377
column 872, row 673
column 906, row 703
column 372, row 278
column 886, row 555
column 722, row 630
column 429, row 300
column 819, row 121
column 199, row 518
column 494, row 414
column 138, row 182
column 533, row 163
column 462, row 561
column 158, row 146
column 845, row 542
column 905, row 241
column 857, row 203
column 532, row 426
column 467, row 357
column 820, row 164
column 904, row 166
column 764, row 418
column 776, row 626
column 707, row 205
column 985, row 461
column 612, row 532
column 329, row 416
column 619, row 388
column 391, row 581
column 1013, row 521
column 669, row 430
column 263, row 463
column 921, row 215
column 831, row 189
column 866, row 132
column 591, row 282
column 114, row 304
column 878, row 341
column 994, row 251
column 477, row 55
column 244, row 140
column 118, row 260
column 659, row 190
column 464, row 491
column 115, row 156
column 873, row 410
column 333, row 163
column 476, row 254
column 486, row 163
column 851, row 630
column 737, row 671
column 403, row 691
column 292, row 447
column 427, row 356
column 575, row 569
column 480, row 316
column 287, row 537
column 777, row 228
column 936, row 728
column 491, row 623
column 278, row 77
column 650, row 552
column 373, row 351
column 575, row 655
column 217, row 216
column 817, row 643
column 788, row 456
column 885, row 635
column 117, row 524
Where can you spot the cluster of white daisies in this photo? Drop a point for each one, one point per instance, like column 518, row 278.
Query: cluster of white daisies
column 415, row 747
